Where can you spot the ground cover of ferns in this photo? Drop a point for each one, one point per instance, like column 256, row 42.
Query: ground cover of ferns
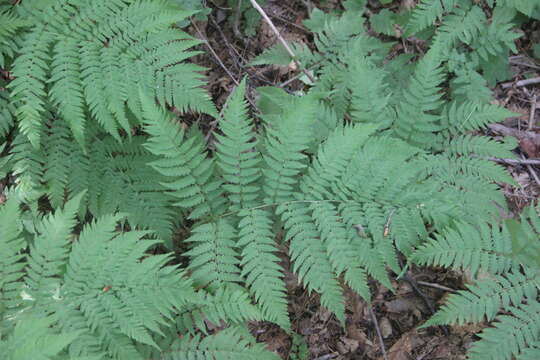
column 178, row 184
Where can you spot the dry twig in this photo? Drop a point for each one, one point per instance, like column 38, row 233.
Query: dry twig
column 525, row 82
column 281, row 39
column 436, row 286
column 532, row 172
column 516, row 161
column 379, row 335
column 531, row 114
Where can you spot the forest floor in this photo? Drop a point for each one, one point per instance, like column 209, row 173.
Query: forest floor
column 394, row 316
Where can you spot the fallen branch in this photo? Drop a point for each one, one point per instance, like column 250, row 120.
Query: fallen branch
column 516, row 161
column 535, row 80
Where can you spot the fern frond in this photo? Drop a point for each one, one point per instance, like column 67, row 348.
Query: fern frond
column 450, row 166
column 50, row 251
column 229, row 304
column 416, row 122
column 35, row 339
column 525, row 6
column 309, row 258
column 57, row 169
column 225, row 345
column 67, row 93
column 7, row 112
column 184, row 162
column 10, row 34
column 214, row 258
column 469, row 85
column 286, row 139
column 137, row 296
column 260, row 265
column 28, row 167
column 511, row 334
column 28, row 89
column 468, row 247
column 236, row 153
column 102, row 54
column 464, row 24
column 341, row 253
column 12, row 245
column 427, row 11
column 484, row 299
column 334, row 157
column 481, row 146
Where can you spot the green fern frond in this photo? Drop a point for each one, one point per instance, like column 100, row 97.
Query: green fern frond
column 309, row 258
column 464, row 24
column 481, row 146
column 416, row 122
column 473, row 167
column 229, row 304
column 99, row 55
column 287, row 137
column 484, row 299
column 183, row 163
column 10, row 34
column 340, row 252
column 28, row 90
column 28, row 167
column 7, row 112
column 57, row 169
column 67, row 93
column 50, row 251
column 260, row 265
column 334, row 157
column 527, row 7
column 225, row 345
column 469, row 85
column 469, row 247
column 427, row 12
column 237, row 157
column 511, row 334
column 133, row 296
column 34, row 339
column 12, row 245
column 214, row 254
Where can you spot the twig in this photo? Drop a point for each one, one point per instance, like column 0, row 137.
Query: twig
column 207, row 43
column 531, row 114
column 436, row 286
column 525, row 82
column 532, row 172
column 506, row 131
column 379, row 335
column 516, row 161
column 281, row 39
column 308, row 5
column 236, row 21
column 514, row 60
column 326, row 357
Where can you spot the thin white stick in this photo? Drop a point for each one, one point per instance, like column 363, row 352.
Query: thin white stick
column 281, row 39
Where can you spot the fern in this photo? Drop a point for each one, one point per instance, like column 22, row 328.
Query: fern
column 103, row 295
column 236, row 158
column 426, row 12
column 98, row 56
column 223, row 346
column 509, row 288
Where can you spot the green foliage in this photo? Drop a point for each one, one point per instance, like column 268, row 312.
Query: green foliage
column 373, row 161
column 99, row 295
column 508, row 259
column 92, row 59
